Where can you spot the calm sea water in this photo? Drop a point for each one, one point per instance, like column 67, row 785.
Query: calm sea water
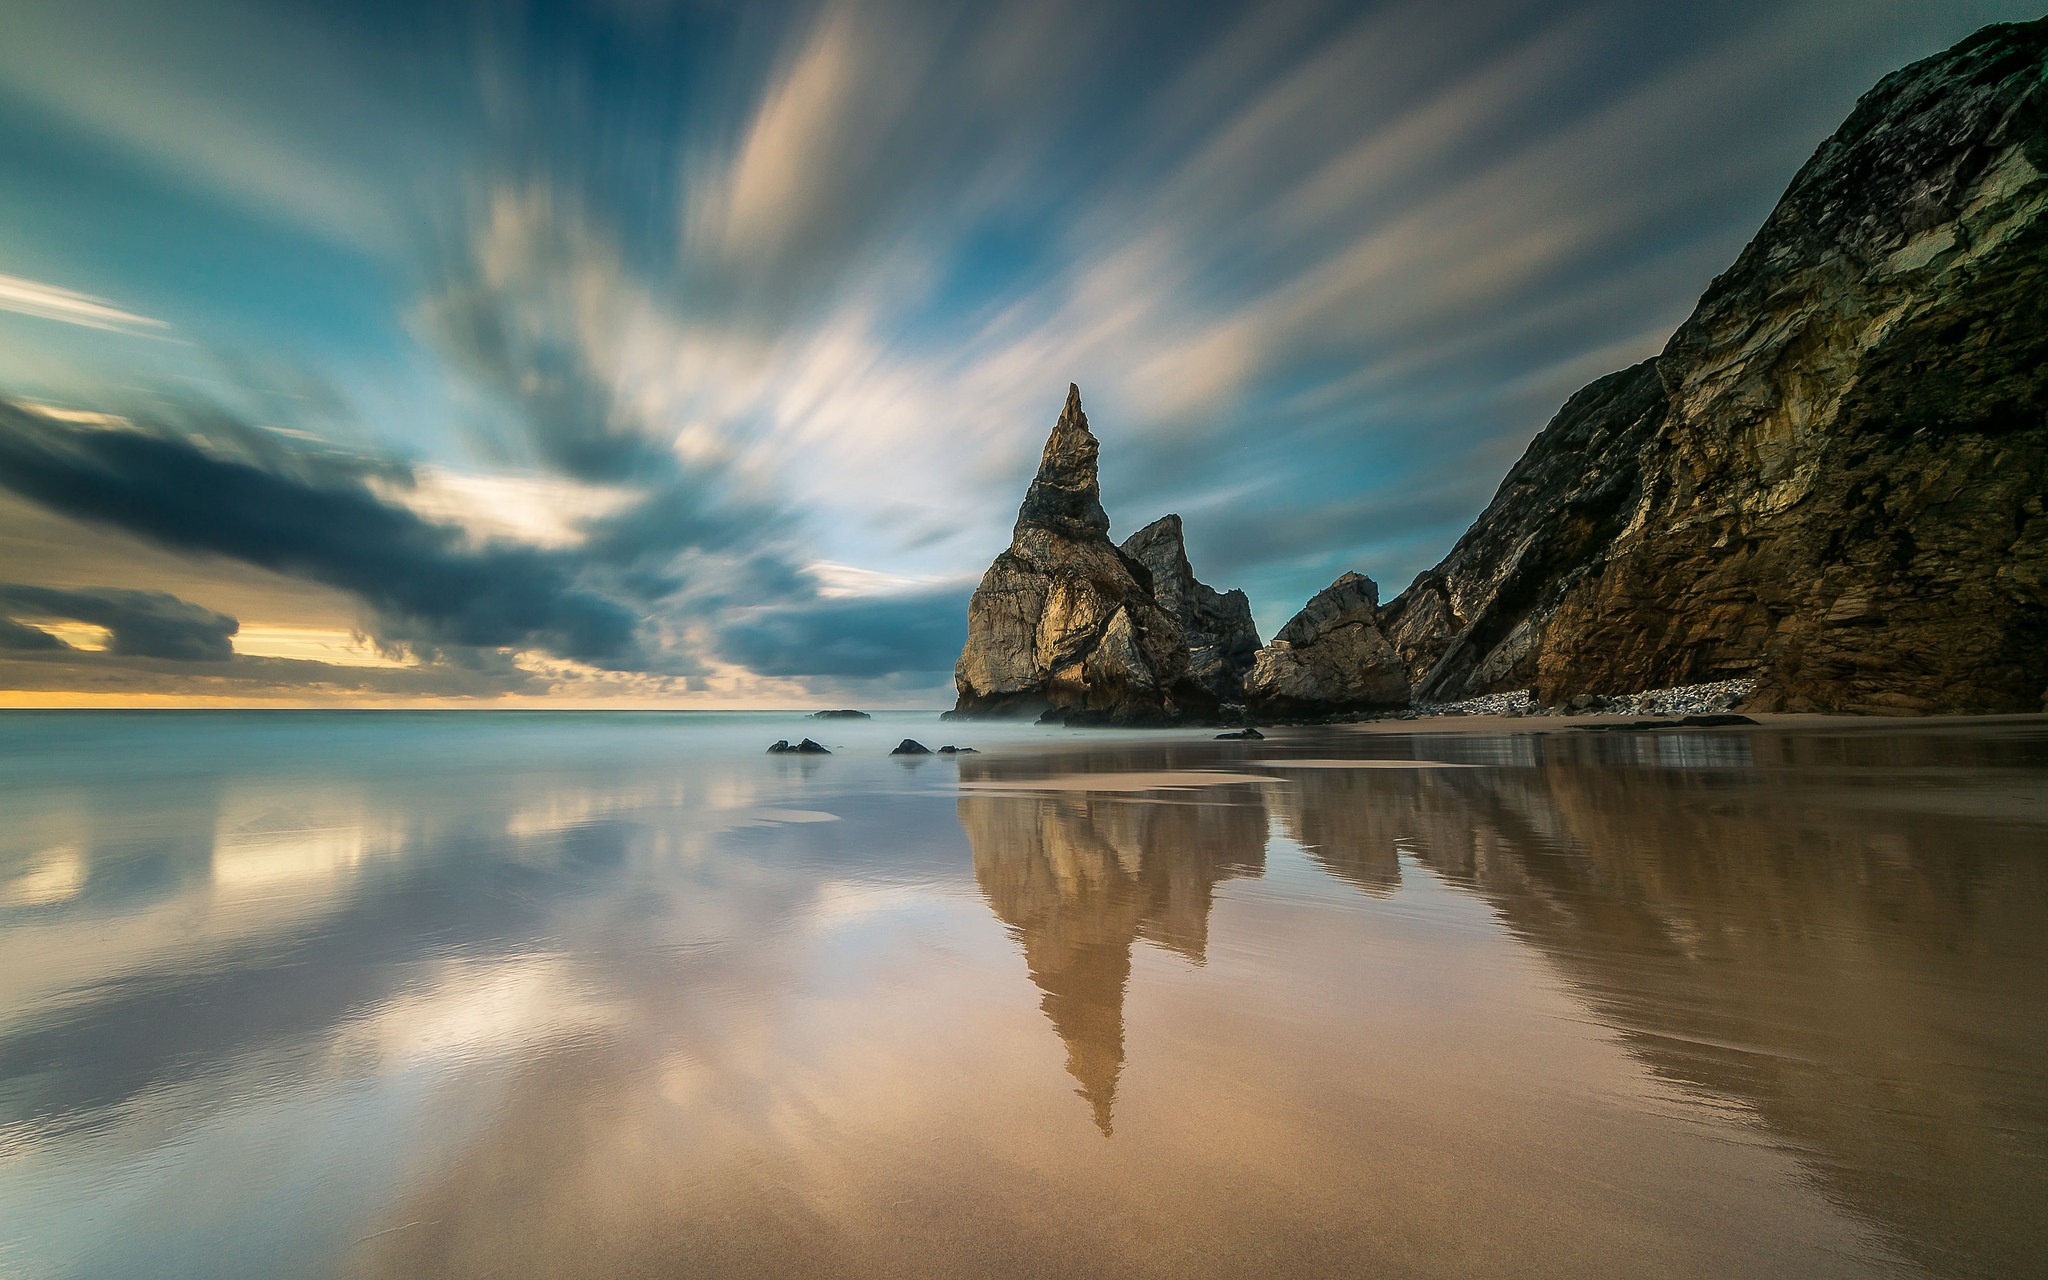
column 335, row 994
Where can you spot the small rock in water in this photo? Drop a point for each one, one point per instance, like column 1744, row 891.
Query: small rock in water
column 839, row 715
column 958, row 751
column 911, row 747
column 1242, row 735
column 781, row 747
column 804, row 748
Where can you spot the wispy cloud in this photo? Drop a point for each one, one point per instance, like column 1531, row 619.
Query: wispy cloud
column 68, row 306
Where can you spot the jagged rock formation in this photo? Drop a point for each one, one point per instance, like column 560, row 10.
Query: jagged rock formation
column 1832, row 480
column 1331, row 657
column 1217, row 625
column 1064, row 621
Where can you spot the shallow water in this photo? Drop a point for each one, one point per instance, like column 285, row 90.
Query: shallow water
column 353, row 994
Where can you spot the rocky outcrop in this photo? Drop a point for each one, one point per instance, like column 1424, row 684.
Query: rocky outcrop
column 1217, row 625
column 1331, row 657
column 1832, row 480
column 1064, row 621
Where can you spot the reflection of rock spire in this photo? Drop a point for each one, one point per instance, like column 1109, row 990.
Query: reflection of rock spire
column 1079, row 878
column 1085, row 1000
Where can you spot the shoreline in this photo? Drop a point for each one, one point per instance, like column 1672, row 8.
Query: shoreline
column 1656, row 724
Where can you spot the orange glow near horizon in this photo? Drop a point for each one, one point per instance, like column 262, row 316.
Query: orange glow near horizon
column 64, row 700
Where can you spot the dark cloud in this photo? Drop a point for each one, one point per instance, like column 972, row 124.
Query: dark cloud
column 437, row 597
column 140, row 624
column 325, row 524
column 858, row 637
column 249, row 677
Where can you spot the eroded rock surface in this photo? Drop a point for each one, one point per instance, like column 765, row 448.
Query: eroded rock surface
column 1331, row 657
column 1832, row 480
column 1217, row 625
column 1064, row 621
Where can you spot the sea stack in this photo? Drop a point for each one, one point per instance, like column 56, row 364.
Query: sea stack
column 1064, row 622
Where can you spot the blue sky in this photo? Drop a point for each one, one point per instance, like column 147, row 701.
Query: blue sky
column 699, row 354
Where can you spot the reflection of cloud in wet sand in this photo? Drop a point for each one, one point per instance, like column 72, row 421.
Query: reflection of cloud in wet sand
column 1078, row 878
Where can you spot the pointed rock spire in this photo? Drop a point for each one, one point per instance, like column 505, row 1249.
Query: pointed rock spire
column 1064, row 622
column 1066, row 496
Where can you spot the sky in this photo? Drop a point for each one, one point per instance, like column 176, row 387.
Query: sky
column 697, row 354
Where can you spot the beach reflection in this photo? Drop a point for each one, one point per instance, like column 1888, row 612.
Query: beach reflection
column 1080, row 877
column 1332, row 1003
column 1842, row 936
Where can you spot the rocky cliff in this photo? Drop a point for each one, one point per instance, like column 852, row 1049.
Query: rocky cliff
column 1330, row 657
column 1832, row 479
column 1216, row 625
column 1064, row 621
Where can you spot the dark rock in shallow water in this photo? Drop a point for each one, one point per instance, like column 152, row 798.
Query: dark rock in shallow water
column 805, row 748
column 839, row 715
column 959, row 751
column 1832, row 479
column 1217, row 625
column 1063, row 621
column 1242, row 735
column 911, row 747
column 1331, row 657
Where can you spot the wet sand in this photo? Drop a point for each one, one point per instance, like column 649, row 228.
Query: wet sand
column 629, row 999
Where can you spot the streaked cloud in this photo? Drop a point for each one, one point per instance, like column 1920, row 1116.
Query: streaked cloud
column 311, row 644
column 540, row 510
column 67, row 306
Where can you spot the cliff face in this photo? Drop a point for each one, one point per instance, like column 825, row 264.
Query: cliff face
column 1217, row 625
column 1832, row 479
column 1063, row 620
